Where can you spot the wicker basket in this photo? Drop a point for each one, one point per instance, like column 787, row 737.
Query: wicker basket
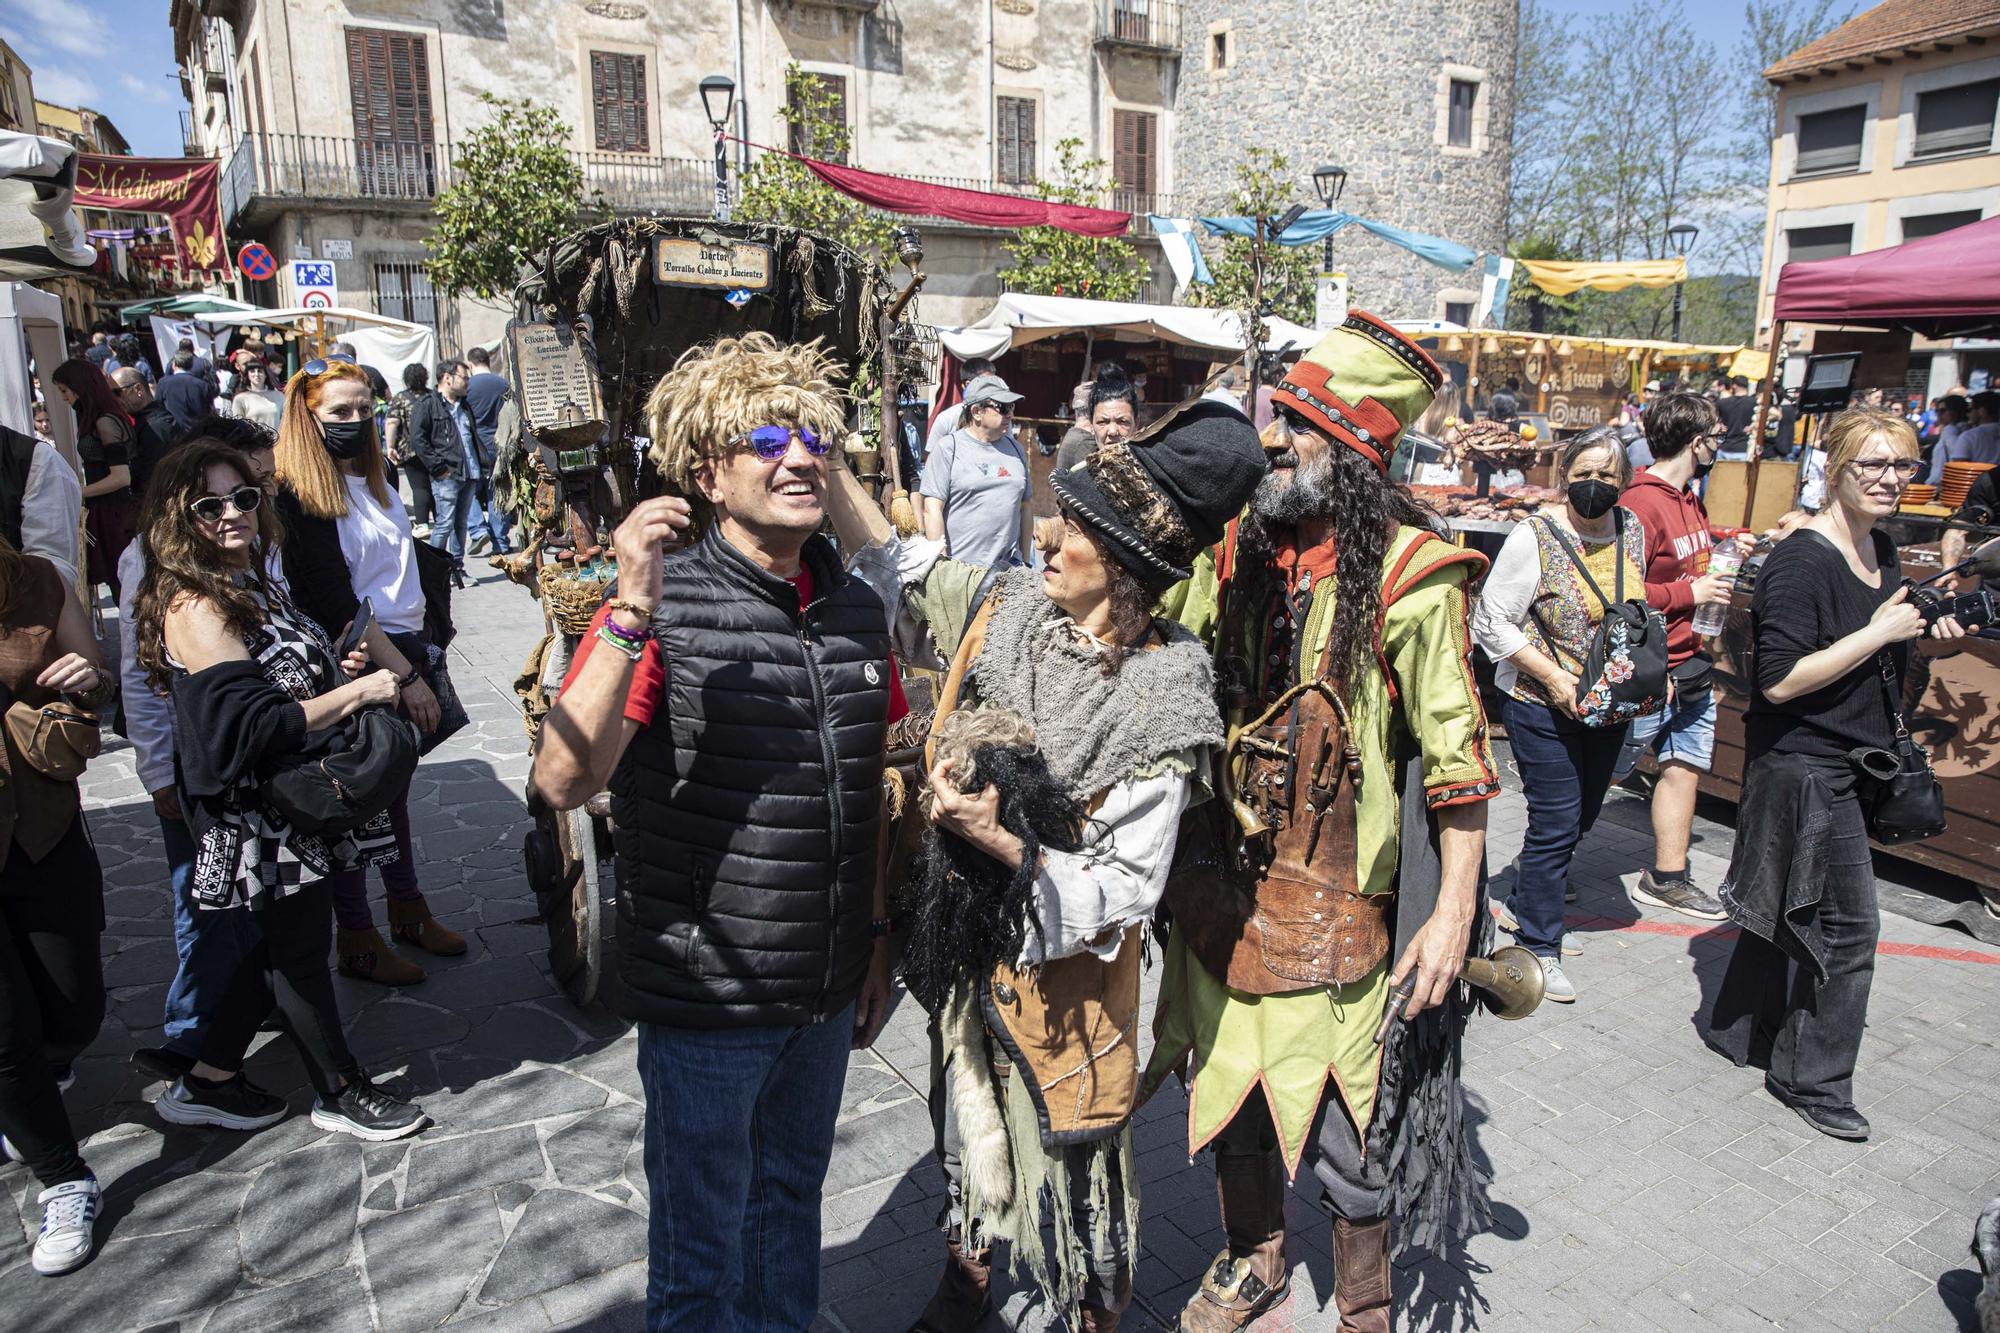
column 571, row 601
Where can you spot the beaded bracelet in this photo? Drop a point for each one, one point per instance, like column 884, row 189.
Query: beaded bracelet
column 635, row 638
column 633, row 651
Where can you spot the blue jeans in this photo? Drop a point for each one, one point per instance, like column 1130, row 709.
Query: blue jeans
column 210, row 945
column 454, row 499
column 739, row 1130
column 1565, row 773
column 1683, row 732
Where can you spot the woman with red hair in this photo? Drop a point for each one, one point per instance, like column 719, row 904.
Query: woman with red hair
column 104, row 437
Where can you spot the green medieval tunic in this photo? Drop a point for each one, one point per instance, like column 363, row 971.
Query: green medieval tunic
column 1229, row 1045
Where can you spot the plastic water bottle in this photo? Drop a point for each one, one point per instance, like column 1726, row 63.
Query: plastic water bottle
column 1723, row 562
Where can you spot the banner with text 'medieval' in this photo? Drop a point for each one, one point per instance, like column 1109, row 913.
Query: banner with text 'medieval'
column 181, row 188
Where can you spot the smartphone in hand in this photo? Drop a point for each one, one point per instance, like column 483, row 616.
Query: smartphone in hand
column 358, row 632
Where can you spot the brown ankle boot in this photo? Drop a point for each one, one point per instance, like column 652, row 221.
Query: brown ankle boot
column 1361, row 1289
column 412, row 923
column 962, row 1298
column 365, row 957
column 1248, row 1278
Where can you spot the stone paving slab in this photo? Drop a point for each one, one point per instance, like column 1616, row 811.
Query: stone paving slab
column 1640, row 1182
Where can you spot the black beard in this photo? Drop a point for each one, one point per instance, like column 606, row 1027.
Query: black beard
column 1279, row 505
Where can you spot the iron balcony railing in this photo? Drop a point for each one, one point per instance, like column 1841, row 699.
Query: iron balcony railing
column 316, row 168
column 1151, row 25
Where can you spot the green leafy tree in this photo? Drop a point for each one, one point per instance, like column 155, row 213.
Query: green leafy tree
column 1263, row 189
column 1604, row 162
column 1051, row 262
column 515, row 189
column 781, row 190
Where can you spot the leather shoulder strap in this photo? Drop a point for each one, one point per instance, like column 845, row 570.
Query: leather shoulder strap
column 968, row 649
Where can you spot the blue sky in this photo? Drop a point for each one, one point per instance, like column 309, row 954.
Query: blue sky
column 114, row 55
column 118, row 56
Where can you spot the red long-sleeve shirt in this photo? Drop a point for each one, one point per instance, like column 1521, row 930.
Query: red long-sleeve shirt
column 1678, row 538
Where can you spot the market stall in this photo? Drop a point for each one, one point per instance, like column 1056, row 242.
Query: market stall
column 1043, row 346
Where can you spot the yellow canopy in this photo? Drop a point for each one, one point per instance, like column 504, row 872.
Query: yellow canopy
column 1560, row 279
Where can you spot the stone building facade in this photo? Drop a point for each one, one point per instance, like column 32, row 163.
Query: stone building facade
column 1415, row 99
column 336, row 120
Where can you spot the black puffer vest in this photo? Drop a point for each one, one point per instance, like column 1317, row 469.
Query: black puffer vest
column 746, row 811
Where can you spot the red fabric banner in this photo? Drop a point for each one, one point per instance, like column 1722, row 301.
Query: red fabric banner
column 182, row 188
column 899, row 195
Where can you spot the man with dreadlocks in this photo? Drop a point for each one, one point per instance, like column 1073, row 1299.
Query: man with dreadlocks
column 1357, row 775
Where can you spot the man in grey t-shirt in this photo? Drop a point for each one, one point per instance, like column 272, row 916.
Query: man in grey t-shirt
column 976, row 482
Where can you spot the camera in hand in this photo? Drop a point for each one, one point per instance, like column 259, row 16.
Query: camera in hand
column 1972, row 609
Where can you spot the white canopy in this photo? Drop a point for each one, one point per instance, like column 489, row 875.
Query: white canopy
column 1018, row 320
column 379, row 341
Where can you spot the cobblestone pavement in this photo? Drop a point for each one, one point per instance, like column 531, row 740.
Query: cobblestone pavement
column 1640, row 1182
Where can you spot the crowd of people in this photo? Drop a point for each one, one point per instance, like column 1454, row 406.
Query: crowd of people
column 1231, row 677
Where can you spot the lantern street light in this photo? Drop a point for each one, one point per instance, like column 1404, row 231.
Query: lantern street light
column 1328, row 182
column 718, row 99
column 1680, row 239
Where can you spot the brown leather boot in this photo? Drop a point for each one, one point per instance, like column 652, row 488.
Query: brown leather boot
column 962, row 1298
column 365, row 957
column 1248, row 1278
column 412, row 923
column 1361, row 1289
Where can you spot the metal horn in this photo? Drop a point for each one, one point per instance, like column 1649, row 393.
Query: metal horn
column 1510, row 976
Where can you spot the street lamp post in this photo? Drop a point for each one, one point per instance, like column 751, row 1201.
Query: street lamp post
column 1328, row 182
column 718, row 99
column 1680, row 238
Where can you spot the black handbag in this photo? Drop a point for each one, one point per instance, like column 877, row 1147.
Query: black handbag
column 346, row 774
column 1908, row 804
column 1624, row 673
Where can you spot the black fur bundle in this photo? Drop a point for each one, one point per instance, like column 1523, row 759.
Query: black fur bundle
column 971, row 911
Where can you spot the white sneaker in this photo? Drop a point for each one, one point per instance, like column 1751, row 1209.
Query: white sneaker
column 1572, row 943
column 1557, row 985
column 69, row 1226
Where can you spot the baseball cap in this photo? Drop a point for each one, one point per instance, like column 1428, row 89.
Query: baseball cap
column 989, row 389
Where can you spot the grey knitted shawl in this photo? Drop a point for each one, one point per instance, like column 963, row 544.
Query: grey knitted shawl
column 1095, row 729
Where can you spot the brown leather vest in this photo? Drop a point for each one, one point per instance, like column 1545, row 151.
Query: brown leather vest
column 35, row 811
column 1263, row 888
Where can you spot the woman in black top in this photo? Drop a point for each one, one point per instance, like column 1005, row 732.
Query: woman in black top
column 1831, row 626
column 104, row 438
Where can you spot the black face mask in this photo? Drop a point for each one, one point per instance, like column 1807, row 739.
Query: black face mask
column 1592, row 499
column 348, row 440
column 1701, row 469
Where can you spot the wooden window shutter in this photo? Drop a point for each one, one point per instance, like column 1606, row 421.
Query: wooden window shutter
column 1132, row 164
column 618, row 102
column 1014, row 118
column 389, row 81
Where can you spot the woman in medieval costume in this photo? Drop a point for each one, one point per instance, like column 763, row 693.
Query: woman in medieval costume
column 1036, row 1057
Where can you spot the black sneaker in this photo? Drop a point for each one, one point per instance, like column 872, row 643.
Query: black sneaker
column 1679, row 895
column 367, row 1112
column 161, row 1063
column 235, row 1103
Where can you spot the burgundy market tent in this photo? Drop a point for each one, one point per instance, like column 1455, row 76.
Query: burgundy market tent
column 1941, row 286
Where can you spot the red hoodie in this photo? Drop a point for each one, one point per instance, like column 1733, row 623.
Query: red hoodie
column 1678, row 538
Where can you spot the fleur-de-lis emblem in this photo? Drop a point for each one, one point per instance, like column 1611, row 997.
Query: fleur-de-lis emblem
column 203, row 249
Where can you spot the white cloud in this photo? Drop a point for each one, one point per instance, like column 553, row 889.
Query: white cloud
column 64, row 25
column 156, row 90
column 58, row 85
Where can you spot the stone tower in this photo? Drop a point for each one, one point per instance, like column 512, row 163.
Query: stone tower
column 1369, row 85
